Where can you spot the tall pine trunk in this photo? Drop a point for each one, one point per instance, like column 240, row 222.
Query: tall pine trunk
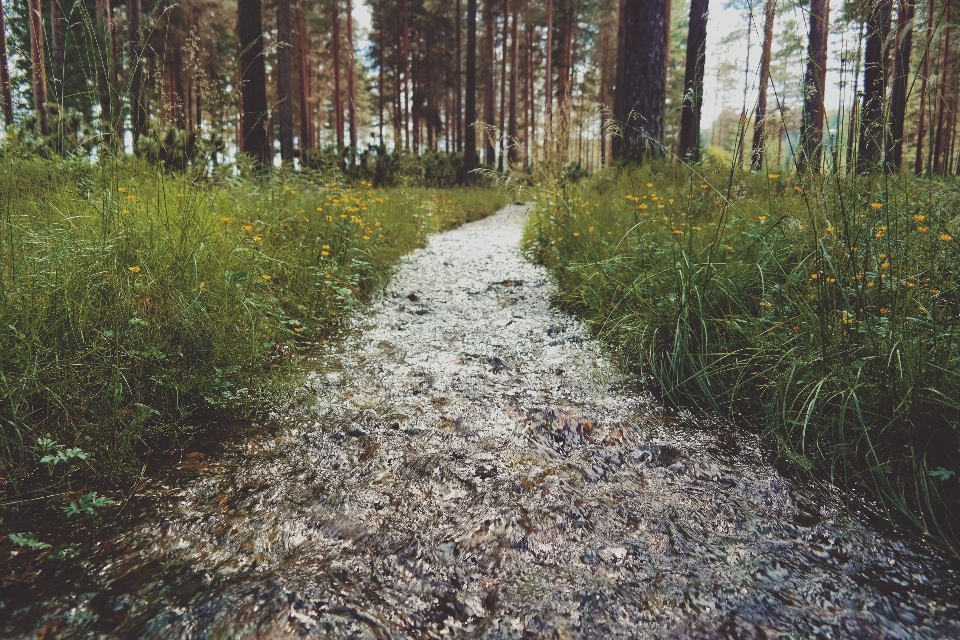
column 756, row 158
column 870, row 147
column 253, row 75
column 458, row 87
column 351, row 79
column 38, row 65
column 56, row 45
column 381, row 72
column 693, row 81
column 502, row 130
column 6, row 92
column 337, row 95
column 901, row 74
column 404, row 67
column 138, row 103
column 303, row 76
column 470, row 108
column 285, row 79
column 564, row 68
column 548, row 84
column 640, row 92
column 514, row 70
column 811, row 124
column 944, row 92
column 489, row 97
column 922, row 122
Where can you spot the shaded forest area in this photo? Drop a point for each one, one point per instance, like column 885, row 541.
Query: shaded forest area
column 566, row 81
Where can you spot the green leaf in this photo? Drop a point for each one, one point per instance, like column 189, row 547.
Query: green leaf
column 941, row 474
column 27, row 540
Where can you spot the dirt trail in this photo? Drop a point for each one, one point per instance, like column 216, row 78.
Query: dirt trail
column 475, row 466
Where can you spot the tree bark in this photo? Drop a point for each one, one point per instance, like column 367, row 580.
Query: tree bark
column 138, row 106
column 489, row 97
column 901, row 74
column 548, row 84
column 337, row 95
column 870, row 148
column 756, row 158
column 285, row 79
column 6, row 92
column 811, row 123
column 405, row 65
column 458, row 110
column 381, row 59
column 564, row 68
column 505, row 39
column 303, row 75
column 470, row 111
column 56, row 43
column 944, row 94
column 351, row 79
column 253, row 74
column 640, row 92
column 921, row 122
column 693, row 81
column 514, row 69
column 38, row 65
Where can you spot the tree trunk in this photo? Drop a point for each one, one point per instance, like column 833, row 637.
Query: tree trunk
column 693, row 81
column 253, row 74
column 640, row 92
column 489, row 97
column 944, row 91
column 756, row 158
column 38, row 65
column 548, row 84
column 285, row 79
column 901, row 74
column 502, row 129
column 351, row 79
column 457, row 112
column 921, row 122
column 337, row 96
column 380, row 70
column 470, row 112
column 404, row 66
column 6, row 92
column 811, row 124
column 564, row 68
column 870, row 148
column 514, row 69
column 138, row 103
column 303, row 75
column 56, row 44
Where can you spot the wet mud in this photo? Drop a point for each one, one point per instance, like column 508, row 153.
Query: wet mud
column 471, row 464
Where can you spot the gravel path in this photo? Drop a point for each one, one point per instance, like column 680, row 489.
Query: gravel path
column 474, row 465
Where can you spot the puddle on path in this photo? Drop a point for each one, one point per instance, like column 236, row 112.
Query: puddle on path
column 473, row 466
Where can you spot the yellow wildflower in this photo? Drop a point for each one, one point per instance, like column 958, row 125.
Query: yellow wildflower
column 257, row 238
column 773, row 176
column 131, row 197
column 366, row 237
column 125, row 211
column 576, row 234
column 919, row 217
column 590, row 230
column 814, row 276
column 763, row 219
column 224, row 219
column 922, row 229
column 324, row 253
column 266, row 276
column 122, row 189
column 248, row 227
column 830, row 229
column 876, row 205
column 649, row 185
column 135, row 269
column 945, row 237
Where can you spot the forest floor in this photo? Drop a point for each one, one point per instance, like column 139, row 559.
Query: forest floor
column 470, row 462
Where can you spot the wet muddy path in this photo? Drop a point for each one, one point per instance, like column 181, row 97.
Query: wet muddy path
column 472, row 465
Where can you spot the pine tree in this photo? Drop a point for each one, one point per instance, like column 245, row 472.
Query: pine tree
column 6, row 92
column 811, row 124
column 693, row 81
column 285, row 79
column 253, row 76
column 640, row 92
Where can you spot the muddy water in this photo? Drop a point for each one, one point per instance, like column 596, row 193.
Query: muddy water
column 472, row 465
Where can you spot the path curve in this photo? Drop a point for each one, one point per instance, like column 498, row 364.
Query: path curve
column 475, row 466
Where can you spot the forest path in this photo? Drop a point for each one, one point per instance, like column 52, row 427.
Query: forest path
column 475, row 465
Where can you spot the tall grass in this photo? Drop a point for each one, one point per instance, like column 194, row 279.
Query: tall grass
column 822, row 313
column 131, row 299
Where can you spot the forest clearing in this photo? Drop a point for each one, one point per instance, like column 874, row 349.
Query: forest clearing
column 491, row 318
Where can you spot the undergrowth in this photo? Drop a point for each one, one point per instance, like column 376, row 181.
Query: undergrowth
column 821, row 312
column 131, row 299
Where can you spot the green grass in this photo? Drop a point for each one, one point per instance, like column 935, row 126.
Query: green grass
column 822, row 314
column 132, row 299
